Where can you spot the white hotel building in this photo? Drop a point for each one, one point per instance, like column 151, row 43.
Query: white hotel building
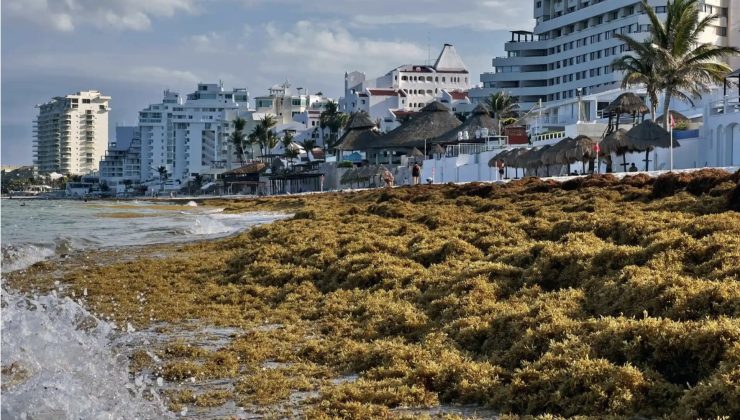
column 405, row 89
column 190, row 136
column 71, row 133
column 573, row 45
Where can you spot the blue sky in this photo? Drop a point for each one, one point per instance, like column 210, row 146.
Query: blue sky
column 134, row 49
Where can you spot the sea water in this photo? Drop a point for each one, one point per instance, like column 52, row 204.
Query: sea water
column 59, row 361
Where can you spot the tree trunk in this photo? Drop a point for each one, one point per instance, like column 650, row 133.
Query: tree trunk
column 666, row 107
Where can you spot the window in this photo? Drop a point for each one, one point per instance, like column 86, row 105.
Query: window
column 85, row 101
column 539, row 4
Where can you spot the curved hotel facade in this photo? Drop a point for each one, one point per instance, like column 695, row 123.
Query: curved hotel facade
column 573, row 45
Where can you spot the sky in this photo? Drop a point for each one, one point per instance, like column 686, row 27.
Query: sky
column 133, row 50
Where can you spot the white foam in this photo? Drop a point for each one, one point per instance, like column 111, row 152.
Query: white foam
column 23, row 256
column 205, row 225
column 192, row 204
column 69, row 363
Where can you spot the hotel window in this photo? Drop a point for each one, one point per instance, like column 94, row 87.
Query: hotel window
column 660, row 9
column 404, row 78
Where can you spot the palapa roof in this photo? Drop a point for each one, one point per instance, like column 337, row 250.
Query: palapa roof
column 433, row 121
column 648, row 135
column 438, row 150
column 677, row 116
column 499, row 156
column 627, row 103
column 581, row 149
column 359, row 133
column 251, row 168
column 551, row 156
column 616, row 142
column 415, row 152
column 479, row 119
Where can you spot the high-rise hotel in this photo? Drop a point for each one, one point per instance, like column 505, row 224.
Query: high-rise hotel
column 71, row 133
column 573, row 45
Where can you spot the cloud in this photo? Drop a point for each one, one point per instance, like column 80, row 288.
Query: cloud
column 478, row 15
column 207, row 42
column 323, row 48
column 66, row 15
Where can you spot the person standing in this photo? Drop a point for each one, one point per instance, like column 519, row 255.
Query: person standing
column 501, row 169
column 388, row 178
column 415, row 174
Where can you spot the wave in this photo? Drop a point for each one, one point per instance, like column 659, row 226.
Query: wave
column 23, row 256
column 59, row 361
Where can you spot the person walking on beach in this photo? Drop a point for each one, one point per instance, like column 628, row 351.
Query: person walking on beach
column 633, row 168
column 388, row 178
column 501, row 168
column 415, row 174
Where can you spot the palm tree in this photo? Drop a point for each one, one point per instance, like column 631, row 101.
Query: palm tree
column 640, row 69
column 502, row 105
column 309, row 144
column 268, row 139
column 237, row 138
column 163, row 175
column 287, row 140
column 291, row 153
column 332, row 119
column 685, row 67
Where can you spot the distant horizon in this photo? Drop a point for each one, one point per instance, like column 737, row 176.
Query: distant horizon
column 133, row 52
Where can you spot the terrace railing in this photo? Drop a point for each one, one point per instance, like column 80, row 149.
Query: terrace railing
column 728, row 105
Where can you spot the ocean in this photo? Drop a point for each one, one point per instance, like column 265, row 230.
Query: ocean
column 58, row 360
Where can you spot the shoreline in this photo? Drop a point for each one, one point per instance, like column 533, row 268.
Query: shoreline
column 373, row 303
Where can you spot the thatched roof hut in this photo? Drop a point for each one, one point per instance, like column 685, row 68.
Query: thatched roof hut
column 648, row 135
column 431, row 122
column 438, row 150
column 479, row 121
column 250, row 168
column 500, row 156
column 349, row 177
column 627, row 103
column 359, row 134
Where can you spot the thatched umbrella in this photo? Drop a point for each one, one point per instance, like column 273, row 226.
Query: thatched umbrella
column 550, row 156
column 432, row 121
column 647, row 136
column 627, row 103
column 416, row 153
column 250, row 168
column 511, row 159
column 438, row 150
column 617, row 142
column 349, row 177
column 677, row 116
column 541, row 158
column 582, row 149
column 479, row 121
column 500, row 156
column 359, row 134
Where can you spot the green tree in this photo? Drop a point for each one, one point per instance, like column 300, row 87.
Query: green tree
column 502, row 105
column 685, row 67
column 332, row 119
column 287, row 140
column 640, row 69
column 238, row 139
column 163, row 175
column 264, row 135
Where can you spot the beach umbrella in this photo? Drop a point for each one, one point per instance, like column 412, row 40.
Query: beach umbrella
column 416, row 153
column 541, row 158
column 677, row 117
column 581, row 149
column 512, row 157
column 349, row 177
column 438, row 150
column 550, row 155
column 627, row 103
column 647, row 136
column 492, row 163
column 617, row 142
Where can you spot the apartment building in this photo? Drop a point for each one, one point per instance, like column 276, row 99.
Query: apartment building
column 71, row 133
column 189, row 135
column 405, row 89
column 572, row 47
column 122, row 160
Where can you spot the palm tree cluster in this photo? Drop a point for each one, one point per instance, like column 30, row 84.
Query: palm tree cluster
column 263, row 135
column 672, row 60
column 334, row 120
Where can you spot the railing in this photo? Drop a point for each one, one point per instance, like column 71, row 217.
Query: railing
column 492, row 143
column 549, row 136
column 727, row 105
